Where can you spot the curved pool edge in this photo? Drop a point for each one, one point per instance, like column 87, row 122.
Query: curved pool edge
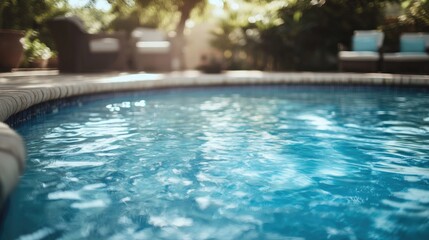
column 22, row 93
column 12, row 160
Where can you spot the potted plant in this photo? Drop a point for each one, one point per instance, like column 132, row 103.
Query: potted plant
column 36, row 52
column 18, row 15
column 53, row 60
column 11, row 49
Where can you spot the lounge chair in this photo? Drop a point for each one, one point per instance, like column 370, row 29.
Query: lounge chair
column 79, row 51
column 153, row 50
column 412, row 57
column 366, row 52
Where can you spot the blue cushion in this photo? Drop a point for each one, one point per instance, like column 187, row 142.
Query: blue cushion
column 365, row 43
column 413, row 44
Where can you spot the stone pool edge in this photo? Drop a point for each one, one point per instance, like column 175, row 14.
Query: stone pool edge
column 19, row 97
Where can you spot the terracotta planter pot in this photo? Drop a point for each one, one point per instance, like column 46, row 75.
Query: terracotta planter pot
column 38, row 63
column 53, row 62
column 11, row 49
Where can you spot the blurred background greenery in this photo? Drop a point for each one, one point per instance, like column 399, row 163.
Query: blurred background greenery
column 277, row 35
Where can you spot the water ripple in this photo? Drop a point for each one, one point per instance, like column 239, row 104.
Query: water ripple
column 239, row 163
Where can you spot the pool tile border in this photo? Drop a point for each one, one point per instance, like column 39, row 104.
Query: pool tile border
column 20, row 91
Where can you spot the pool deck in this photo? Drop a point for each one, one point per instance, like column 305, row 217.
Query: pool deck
column 21, row 90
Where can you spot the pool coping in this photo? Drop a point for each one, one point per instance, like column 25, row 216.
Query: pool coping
column 22, row 90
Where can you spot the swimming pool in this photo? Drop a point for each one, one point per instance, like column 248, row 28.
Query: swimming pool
column 265, row 162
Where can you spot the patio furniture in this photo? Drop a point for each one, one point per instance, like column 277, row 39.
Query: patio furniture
column 412, row 57
column 366, row 52
column 153, row 50
column 79, row 51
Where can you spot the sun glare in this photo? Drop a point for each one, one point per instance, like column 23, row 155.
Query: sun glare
column 99, row 4
column 216, row 3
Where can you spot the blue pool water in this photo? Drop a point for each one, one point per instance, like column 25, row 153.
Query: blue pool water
column 272, row 162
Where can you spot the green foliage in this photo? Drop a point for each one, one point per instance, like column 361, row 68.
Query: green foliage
column 126, row 22
column 261, row 34
column 304, row 34
column 95, row 20
column 310, row 40
column 311, row 43
column 164, row 14
column 34, row 49
column 229, row 38
column 239, row 34
column 28, row 14
column 417, row 12
column 31, row 15
column 414, row 17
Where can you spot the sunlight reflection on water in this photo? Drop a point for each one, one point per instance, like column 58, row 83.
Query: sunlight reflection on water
column 238, row 163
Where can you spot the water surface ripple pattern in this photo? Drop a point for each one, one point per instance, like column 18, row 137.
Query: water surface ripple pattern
column 272, row 162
